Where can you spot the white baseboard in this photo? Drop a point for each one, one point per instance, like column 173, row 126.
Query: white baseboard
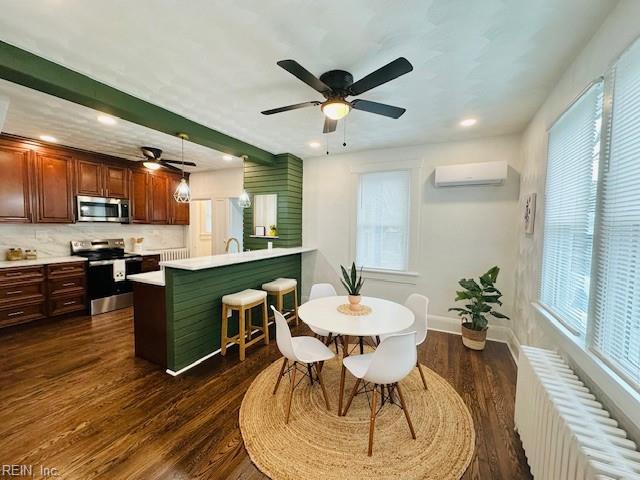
column 496, row 333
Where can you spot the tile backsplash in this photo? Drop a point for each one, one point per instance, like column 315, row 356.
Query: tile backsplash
column 51, row 240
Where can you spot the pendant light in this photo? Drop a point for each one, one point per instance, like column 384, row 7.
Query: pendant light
column 183, row 193
column 243, row 200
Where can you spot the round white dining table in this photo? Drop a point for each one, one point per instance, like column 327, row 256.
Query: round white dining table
column 385, row 318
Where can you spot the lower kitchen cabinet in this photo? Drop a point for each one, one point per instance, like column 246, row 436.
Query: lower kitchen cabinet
column 33, row 293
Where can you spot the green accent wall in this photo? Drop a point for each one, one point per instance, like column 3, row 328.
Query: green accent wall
column 25, row 68
column 194, row 303
column 285, row 179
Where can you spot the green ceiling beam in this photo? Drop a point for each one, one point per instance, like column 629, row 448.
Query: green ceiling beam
column 25, row 68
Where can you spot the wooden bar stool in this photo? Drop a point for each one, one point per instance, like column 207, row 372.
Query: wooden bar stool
column 279, row 288
column 243, row 302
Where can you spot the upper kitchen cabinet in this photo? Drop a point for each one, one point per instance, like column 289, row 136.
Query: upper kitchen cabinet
column 101, row 180
column 116, row 181
column 140, row 196
column 179, row 211
column 14, row 184
column 159, row 199
column 54, row 187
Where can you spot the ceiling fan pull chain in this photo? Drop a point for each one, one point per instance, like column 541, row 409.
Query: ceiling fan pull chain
column 344, row 133
column 327, row 139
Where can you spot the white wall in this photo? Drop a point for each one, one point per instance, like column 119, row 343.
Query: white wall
column 52, row 240
column 463, row 230
column 617, row 32
column 223, row 183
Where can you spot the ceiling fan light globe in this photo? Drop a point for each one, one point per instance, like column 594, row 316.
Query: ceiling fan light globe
column 152, row 165
column 335, row 109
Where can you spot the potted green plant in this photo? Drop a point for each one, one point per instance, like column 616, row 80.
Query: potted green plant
column 353, row 282
column 273, row 231
column 481, row 300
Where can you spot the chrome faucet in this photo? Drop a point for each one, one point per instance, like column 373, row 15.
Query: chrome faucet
column 228, row 243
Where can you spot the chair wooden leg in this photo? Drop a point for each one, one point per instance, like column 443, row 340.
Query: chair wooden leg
column 241, row 333
column 353, row 394
column 293, row 385
column 279, row 304
column 248, row 324
column 324, row 390
column 372, row 421
column 265, row 322
column 406, row 412
column 361, row 341
column 335, row 340
column 328, row 339
column 223, row 335
column 295, row 305
column 424, row 382
column 284, row 365
column 310, row 372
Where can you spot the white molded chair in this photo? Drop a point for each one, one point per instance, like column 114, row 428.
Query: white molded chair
column 321, row 290
column 392, row 361
column 306, row 350
column 419, row 305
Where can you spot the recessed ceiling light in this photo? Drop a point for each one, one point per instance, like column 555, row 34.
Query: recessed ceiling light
column 227, row 158
column 48, row 138
column 107, row 119
column 314, row 144
column 468, row 122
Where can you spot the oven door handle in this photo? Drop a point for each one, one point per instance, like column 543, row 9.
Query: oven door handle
column 97, row 263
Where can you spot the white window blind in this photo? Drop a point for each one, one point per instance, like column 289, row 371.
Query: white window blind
column 569, row 210
column 615, row 328
column 383, row 220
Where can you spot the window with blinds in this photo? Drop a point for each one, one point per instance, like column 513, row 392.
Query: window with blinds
column 383, row 220
column 615, row 314
column 572, row 174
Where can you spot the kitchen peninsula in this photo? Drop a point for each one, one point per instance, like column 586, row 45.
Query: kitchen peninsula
column 177, row 313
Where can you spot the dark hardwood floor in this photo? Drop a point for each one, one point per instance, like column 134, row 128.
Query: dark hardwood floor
column 73, row 397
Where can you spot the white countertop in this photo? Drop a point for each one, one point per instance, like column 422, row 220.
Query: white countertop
column 152, row 278
column 145, row 252
column 213, row 261
column 40, row 261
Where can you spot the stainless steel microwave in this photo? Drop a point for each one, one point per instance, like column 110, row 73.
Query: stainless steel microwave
column 101, row 209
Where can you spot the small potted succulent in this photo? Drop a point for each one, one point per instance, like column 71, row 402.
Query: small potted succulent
column 353, row 282
column 273, row 231
column 481, row 300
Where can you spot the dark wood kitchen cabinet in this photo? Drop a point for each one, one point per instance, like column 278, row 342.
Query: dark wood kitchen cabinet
column 140, row 197
column 159, row 199
column 101, row 180
column 15, row 165
column 54, row 187
column 179, row 211
column 116, row 181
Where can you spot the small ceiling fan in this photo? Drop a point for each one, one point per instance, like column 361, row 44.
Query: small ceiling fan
column 153, row 160
column 337, row 85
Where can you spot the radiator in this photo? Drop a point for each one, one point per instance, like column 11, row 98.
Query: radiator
column 566, row 433
column 173, row 254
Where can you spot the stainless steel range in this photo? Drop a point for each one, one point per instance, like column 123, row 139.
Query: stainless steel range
column 108, row 268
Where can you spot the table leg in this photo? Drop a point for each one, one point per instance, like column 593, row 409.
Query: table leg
column 345, row 353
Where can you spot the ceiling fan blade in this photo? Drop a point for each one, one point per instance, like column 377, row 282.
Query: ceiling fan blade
column 379, row 108
column 385, row 74
column 297, row 70
column 290, row 107
column 179, row 162
column 329, row 125
column 169, row 167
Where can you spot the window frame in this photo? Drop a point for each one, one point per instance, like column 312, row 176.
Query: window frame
column 580, row 345
column 414, row 168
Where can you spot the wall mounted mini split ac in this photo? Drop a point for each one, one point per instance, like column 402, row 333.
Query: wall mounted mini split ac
column 486, row 173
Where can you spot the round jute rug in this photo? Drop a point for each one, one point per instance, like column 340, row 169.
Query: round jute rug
column 317, row 444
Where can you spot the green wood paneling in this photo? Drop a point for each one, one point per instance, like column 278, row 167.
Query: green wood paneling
column 284, row 177
column 25, row 68
column 194, row 303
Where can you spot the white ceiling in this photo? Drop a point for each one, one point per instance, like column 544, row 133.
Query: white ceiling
column 31, row 113
column 214, row 61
